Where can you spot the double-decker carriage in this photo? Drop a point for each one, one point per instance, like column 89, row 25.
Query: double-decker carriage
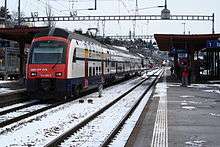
column 65, row 63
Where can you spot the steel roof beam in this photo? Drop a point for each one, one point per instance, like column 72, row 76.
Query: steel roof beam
column 118, row 17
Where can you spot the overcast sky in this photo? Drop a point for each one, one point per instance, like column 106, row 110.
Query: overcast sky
column 125, row 7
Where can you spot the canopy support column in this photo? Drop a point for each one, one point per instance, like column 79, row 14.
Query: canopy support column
column 21, row 48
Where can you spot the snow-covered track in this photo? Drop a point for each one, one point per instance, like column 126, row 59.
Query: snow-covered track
column 57, row 141
column 116, row 130
column 9, row 109
column 30, row 112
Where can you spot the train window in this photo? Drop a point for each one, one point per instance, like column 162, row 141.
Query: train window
column 112, row 64
column 97, row 71
column 108, row 61
column 93, row 70
column 119, row 67
column 90, row 71
column 50, row 52
column 74, row 55
column 90, row 53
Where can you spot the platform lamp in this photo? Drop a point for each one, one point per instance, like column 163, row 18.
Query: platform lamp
column 184, row 28
column 5, row 12
column 19, row 12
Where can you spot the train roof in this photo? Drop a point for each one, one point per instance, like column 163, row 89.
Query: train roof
column 85, row 38
column 107, row 46
column 69, row 35
column 53, row 32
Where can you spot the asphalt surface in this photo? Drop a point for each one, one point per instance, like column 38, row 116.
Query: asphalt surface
column 193, row 117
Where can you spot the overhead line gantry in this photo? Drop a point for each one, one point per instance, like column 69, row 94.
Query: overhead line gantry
column 121, row 18
column 118, row 17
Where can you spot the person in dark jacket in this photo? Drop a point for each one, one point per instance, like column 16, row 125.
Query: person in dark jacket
column 171, row 69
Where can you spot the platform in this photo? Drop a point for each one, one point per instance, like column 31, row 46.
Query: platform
column 180, row 116
column 10, row 92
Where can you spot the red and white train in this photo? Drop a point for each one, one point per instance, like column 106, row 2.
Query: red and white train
column 64, row 63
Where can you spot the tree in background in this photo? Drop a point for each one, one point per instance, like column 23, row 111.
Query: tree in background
column 4, row 12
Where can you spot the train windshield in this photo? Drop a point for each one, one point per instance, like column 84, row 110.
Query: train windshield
column 48, row 52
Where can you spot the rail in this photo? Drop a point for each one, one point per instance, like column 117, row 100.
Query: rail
column 74, row 129
column 129, row 113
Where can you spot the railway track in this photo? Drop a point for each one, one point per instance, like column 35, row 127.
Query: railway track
column 18, row 106
column 62, row 117
column 17, row 113
column 110, row 138
column 88, row 127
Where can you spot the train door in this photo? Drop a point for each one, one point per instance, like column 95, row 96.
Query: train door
column 116, row 67
column 102, row 67
column 86, row 55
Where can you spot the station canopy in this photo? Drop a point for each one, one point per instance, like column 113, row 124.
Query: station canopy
column 20, row 34
column 195, row 42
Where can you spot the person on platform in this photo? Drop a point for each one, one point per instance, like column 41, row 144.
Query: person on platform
column 100, row 86
column 178, row 71
column 185, row 76
column 171, row 69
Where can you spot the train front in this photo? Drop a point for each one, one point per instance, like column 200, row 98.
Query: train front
column 46, row 66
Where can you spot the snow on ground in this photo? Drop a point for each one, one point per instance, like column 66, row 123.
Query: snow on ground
column 213, row 91
column 42, row 128
column 195, row 143
column 213, row 88
column 144, row 75
column 2, row 81
column 95, row 132
column 16, row 105
column 215, row 81
column 20, row 112
column 189, row 107
column 127, row 129
column 174, row 84
column 214, row 114
column 5, row 90
column 187, row 96
column 204, row 85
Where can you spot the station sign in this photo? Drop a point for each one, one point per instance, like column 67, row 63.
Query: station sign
column 213, row 44
column 175, row 51
column 182, row 55
column 181, row 51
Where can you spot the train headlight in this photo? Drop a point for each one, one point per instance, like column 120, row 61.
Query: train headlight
column 33, row 74
column 58, row 74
